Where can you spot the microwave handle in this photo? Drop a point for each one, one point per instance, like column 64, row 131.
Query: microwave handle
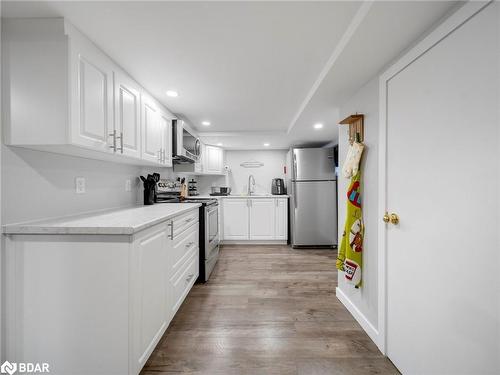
column 197, row 147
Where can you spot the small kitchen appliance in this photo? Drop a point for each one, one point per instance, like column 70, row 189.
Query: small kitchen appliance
column 278, row 186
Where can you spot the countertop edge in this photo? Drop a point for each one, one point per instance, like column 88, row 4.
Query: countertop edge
column 32, row 228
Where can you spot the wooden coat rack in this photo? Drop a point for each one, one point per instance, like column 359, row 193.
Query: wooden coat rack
column 356, row 127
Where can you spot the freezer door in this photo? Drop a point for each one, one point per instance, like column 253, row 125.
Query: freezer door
column 314, row 218
column 313, row 164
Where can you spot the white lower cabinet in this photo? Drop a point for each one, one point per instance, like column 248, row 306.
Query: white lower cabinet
column 262, row 219
column 236, row 219
column 281, row 219
column 150, row 305
column 96, row 304
column 255, row 219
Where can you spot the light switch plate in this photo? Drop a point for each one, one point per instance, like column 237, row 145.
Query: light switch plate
column 128, row 185
column 80, row 185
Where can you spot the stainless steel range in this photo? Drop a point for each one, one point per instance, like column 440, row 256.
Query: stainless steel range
column 209, row 235
column 209, row 228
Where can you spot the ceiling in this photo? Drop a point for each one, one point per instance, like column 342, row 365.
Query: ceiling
column 258, row 71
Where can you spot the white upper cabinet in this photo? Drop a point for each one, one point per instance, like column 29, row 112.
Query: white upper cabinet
column 165, row 124
column 63, row 94
column 262, row 218
column 151, row 134
column 91, row 85
column 127, row 116
column 213, row 161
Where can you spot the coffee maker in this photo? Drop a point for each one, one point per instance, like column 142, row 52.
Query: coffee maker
column 278, row 186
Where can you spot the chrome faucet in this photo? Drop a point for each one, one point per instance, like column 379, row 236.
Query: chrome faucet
column 251, row 180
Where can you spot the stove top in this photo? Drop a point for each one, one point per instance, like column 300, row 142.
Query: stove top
column 176, row 199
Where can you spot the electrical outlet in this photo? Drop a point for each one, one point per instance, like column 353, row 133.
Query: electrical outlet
column 80, row 185
column 128, row 185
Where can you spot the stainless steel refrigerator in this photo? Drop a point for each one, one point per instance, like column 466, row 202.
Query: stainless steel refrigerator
column 313, row 203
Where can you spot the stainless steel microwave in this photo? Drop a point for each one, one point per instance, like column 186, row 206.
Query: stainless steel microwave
column 186, row 144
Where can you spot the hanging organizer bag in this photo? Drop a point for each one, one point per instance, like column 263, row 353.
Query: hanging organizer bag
column 350, row 256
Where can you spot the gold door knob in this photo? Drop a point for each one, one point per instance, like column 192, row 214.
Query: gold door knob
column 394, row 218
column 386, row 218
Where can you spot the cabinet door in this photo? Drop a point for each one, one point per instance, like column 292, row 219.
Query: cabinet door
column 281, row 219
column 127, row 115
column 151, row 135
column 166, row 139
column 151, row 311
column 262, row 212
column 235, row 219
column 91, row 81
column 213, row 159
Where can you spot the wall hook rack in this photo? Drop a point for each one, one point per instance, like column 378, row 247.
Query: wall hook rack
column 356, row 127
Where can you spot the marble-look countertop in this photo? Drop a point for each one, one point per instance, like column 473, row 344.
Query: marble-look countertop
column 118, row 221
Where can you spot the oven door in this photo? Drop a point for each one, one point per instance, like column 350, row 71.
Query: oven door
column 211, row 231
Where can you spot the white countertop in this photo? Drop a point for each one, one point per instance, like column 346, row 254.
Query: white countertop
column 257, row 196
column 118, row 221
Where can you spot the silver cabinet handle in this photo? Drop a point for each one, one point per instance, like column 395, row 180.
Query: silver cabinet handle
column 171, row 225
column 189, row 244
column 162, row 156
column 189, row 277
column 121, row 142
column 188, row 220
column 113, row 146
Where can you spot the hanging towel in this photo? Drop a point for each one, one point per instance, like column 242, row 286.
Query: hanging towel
column 351, row 164
column 350, row 256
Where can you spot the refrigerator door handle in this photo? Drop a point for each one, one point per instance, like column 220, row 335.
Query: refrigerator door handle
column 294, row 166
column 294, row 194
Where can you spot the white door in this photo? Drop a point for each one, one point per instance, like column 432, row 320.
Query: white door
column 91, row 80
column 235, row 218
column 151, row 309
column 281, row 224
column 165, row 124
column 213, row 160
column 262, row 218
column 127, row 115
column 443, row 182
column 151, row 136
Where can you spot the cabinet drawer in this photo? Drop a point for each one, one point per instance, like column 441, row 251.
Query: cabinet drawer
column 182, row 222
column 184, row 280
column 182, row 245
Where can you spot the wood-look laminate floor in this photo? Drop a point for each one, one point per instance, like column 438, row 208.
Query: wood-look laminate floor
column 267, row 310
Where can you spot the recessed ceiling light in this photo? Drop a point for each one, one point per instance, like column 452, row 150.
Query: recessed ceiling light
column 172, row 93
column 318, row 126
column 205, row 123
column 266, row 144
column 219, row 144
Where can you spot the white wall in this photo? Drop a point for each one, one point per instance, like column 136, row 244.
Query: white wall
column 364, row 101
column 38, row 185
column 237, row 178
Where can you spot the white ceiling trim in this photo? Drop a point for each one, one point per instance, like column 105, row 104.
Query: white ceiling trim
column 351, row 29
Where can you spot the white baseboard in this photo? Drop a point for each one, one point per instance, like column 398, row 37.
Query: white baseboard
column 359, row 316
column 254, row 242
